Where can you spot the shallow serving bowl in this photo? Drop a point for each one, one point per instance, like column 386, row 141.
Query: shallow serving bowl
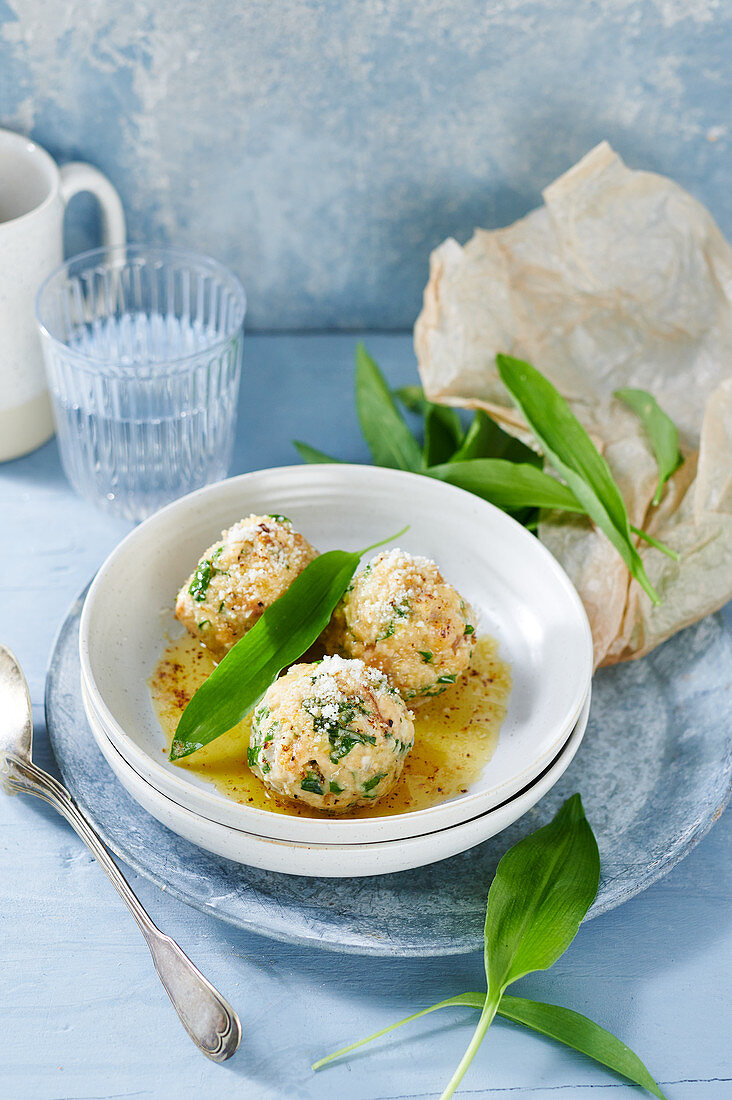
column 338, row 860
column 519, row 592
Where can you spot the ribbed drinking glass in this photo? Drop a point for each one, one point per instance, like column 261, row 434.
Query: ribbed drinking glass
column 143, row 350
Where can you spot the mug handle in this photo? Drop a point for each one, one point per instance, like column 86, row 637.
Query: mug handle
column 76, row 177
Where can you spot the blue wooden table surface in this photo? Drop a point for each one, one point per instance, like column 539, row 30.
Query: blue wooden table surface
column 82, row 1014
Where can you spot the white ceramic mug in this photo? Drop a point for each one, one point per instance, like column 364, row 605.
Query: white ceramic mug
column 34, row 192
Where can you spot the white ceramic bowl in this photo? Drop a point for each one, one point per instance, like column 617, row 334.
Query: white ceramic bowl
column 520, row 594
column 337, row 860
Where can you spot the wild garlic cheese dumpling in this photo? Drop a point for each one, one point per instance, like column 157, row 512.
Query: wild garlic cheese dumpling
column 333, row 734
column 402, row 617
column 238, row 578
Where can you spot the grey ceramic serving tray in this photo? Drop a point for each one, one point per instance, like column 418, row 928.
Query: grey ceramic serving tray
column 654, row 771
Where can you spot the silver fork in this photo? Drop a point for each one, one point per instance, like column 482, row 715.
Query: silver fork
column 209, row 1019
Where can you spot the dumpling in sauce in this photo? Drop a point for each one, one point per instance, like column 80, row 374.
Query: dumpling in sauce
column 333, row 734
column 237, row 579
column 402, row 617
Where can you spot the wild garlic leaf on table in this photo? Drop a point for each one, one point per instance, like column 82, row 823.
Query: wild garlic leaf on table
column 580, row 1033
column 508, row 485
column 661, row 432
column 542, row 890
column 389, row 439
column 485, row 438
column 567, row 1027
column 575, row 458
column 285, row 631
column 555, row 1022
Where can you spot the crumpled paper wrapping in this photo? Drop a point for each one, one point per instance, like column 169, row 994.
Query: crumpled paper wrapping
column 620, row 279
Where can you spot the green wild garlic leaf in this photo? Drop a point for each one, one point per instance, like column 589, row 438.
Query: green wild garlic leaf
column 443, row 433
column 562, row 1024
column 542, row 889
column 661, row 431
column 505, row 478
column 508, row 485
column 288, row 627
column 579, row 1033
column 575, row 458
column 412, row 398
column 541, row 892
column 389, row 439
column 485, row 438
column 312, row 454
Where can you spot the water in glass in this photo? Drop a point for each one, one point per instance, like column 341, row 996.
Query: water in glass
column 145, row 399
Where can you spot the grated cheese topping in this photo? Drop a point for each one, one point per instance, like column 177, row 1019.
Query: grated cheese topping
column 389, row 584
column 335, row 673
column 252, row 550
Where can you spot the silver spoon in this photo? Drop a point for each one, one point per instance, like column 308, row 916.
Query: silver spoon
column 209, row 1019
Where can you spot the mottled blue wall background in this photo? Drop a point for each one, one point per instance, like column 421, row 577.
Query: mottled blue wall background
column 323, row 147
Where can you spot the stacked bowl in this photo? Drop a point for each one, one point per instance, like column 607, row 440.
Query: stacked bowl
column 518, row 591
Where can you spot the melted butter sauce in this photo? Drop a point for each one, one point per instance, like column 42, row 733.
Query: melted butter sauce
column 455, row 734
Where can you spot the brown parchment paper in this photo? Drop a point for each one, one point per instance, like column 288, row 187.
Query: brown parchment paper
column 620, row 279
